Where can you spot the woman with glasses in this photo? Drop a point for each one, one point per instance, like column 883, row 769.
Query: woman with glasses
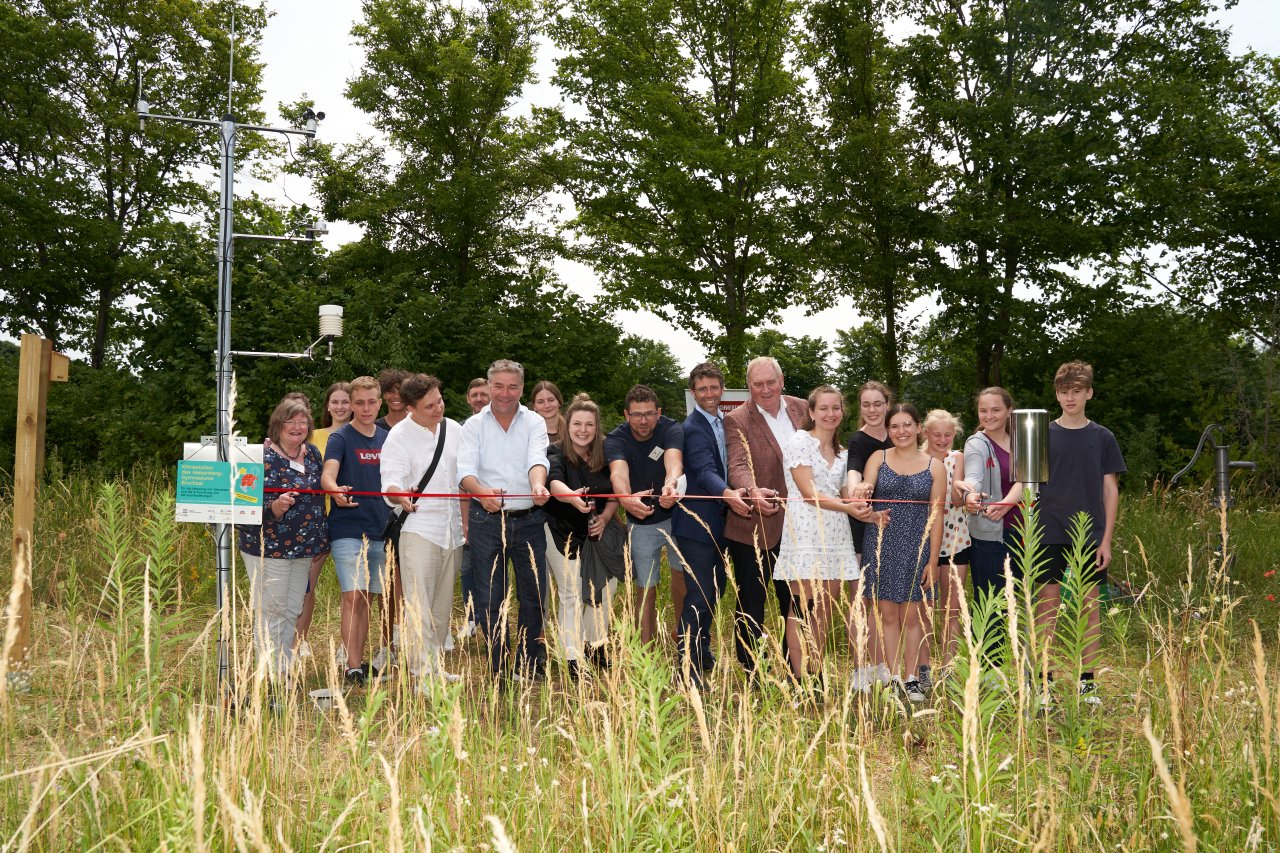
column 872, row 436
column 278, row 553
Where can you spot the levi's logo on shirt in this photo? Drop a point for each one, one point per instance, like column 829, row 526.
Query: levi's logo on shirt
column 368, row 456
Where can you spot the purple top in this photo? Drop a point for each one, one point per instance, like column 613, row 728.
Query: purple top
column 1014, row 515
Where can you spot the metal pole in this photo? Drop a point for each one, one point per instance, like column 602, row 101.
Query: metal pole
column 222, row 532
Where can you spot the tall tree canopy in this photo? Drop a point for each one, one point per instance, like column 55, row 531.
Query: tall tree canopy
column 685, row 125
column 83, row 191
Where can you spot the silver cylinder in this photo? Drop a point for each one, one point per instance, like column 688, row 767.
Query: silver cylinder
column 1029, row 445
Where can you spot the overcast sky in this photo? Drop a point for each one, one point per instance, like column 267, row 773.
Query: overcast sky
column 308, row 50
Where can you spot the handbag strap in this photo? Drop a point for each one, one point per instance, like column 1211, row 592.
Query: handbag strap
column 435, row 460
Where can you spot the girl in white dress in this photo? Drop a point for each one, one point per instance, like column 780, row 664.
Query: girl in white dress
column 816, row 555
column 940, row 430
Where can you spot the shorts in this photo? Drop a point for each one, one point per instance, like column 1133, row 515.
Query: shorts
column 961, row 559
column 1057, row 564
column 359, row 567
column 647, row 542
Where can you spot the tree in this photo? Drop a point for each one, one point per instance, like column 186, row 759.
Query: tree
column 83, row 192
column 875, row 224
column 684, row 124
column 1026, row 105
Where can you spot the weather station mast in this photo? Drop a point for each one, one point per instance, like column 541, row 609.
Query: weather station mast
column 228, row 129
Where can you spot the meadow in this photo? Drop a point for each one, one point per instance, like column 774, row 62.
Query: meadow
column 122, row 742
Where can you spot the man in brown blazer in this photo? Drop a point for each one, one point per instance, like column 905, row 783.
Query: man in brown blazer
column 755, row 433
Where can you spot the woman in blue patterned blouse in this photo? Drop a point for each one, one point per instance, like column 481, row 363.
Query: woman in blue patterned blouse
column 277, row 554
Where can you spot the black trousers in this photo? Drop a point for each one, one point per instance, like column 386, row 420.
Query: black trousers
column 753, row 571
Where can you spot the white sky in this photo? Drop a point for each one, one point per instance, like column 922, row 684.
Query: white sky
column 308, row 50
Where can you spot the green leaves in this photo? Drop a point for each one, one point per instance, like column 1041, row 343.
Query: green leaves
column 685, row 122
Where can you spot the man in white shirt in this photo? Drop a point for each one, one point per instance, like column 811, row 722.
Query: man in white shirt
column 430, row 546
column 503, row 465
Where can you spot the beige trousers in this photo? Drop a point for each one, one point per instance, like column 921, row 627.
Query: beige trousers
column 427, row 574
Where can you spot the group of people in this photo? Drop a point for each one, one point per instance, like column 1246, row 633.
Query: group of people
column 882, row 531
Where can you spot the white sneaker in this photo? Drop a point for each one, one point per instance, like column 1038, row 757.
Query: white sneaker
column 304, row 649
column 914, row 691
column 448, row 643
column 468, row 632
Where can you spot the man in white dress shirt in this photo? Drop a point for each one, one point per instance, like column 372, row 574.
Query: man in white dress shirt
column 503, row 465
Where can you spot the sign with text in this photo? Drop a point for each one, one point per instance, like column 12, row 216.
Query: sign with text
column 215, row 492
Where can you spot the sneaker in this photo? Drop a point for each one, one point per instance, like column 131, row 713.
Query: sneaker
column 356, row 676
column 448, row 643
column 599, row 656
column 926, row 680
column 1046, row 700
column 574, row 668
column 468, row 631
column 915, row 693
column 1089, row 693
column 304, row 649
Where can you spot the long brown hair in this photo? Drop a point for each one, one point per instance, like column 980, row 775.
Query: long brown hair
column 326, row 419
column 995, row 391
column 545, row 385
column 809, row 422
column 595, row 459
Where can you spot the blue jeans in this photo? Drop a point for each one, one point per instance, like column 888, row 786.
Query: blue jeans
column 986, row 570
column 525, row 547
column 647, row 542
column 359, row 563
column 468, row 585
column 704, row 575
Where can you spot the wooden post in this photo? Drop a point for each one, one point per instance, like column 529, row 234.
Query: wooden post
column 37, row 365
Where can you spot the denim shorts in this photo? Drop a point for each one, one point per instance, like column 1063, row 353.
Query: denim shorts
column 359, row 569
column 647, row 542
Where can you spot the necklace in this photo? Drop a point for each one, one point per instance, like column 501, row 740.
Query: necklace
column 297, row 454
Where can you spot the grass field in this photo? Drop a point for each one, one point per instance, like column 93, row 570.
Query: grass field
column 122, row 742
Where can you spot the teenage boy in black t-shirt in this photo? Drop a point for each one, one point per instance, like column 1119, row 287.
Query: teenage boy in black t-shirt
column 1084, row 468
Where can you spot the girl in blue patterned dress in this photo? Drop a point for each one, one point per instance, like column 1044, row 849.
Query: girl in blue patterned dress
column 900, row 553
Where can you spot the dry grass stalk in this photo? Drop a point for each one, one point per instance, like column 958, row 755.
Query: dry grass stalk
column 1174, row 792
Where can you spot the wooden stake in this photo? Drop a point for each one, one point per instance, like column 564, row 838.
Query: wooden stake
column 37, row 364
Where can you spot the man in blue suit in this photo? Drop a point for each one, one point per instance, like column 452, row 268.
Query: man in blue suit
column 698, row 522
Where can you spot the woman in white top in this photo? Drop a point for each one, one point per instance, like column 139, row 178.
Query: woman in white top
column 431, row 539
column 940, row 431
column 816, row 554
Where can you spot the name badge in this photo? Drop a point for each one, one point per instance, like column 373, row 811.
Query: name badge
column 297, row 466
column 656, row 453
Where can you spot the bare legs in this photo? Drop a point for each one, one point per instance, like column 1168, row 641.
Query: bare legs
column 808, row 624
column 355, row 625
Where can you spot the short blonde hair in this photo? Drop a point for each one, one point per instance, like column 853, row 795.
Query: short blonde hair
column 942, row 416
column 365, row 383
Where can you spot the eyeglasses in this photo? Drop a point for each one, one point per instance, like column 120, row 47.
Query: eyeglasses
column 642, row 416
column 297, row 423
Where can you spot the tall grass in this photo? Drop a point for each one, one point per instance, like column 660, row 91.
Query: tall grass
column 123, row 741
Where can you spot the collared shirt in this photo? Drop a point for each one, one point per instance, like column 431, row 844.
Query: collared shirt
column 781, row 425
column 717, row 429
column 501, row 458
column 406, row 455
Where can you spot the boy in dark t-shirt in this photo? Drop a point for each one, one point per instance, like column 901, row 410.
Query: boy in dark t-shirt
column 1084, row 467
column 352, row 464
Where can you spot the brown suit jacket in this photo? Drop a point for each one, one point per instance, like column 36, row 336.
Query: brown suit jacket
column 755, row 460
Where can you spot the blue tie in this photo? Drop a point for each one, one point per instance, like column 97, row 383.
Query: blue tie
column 718, row 429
